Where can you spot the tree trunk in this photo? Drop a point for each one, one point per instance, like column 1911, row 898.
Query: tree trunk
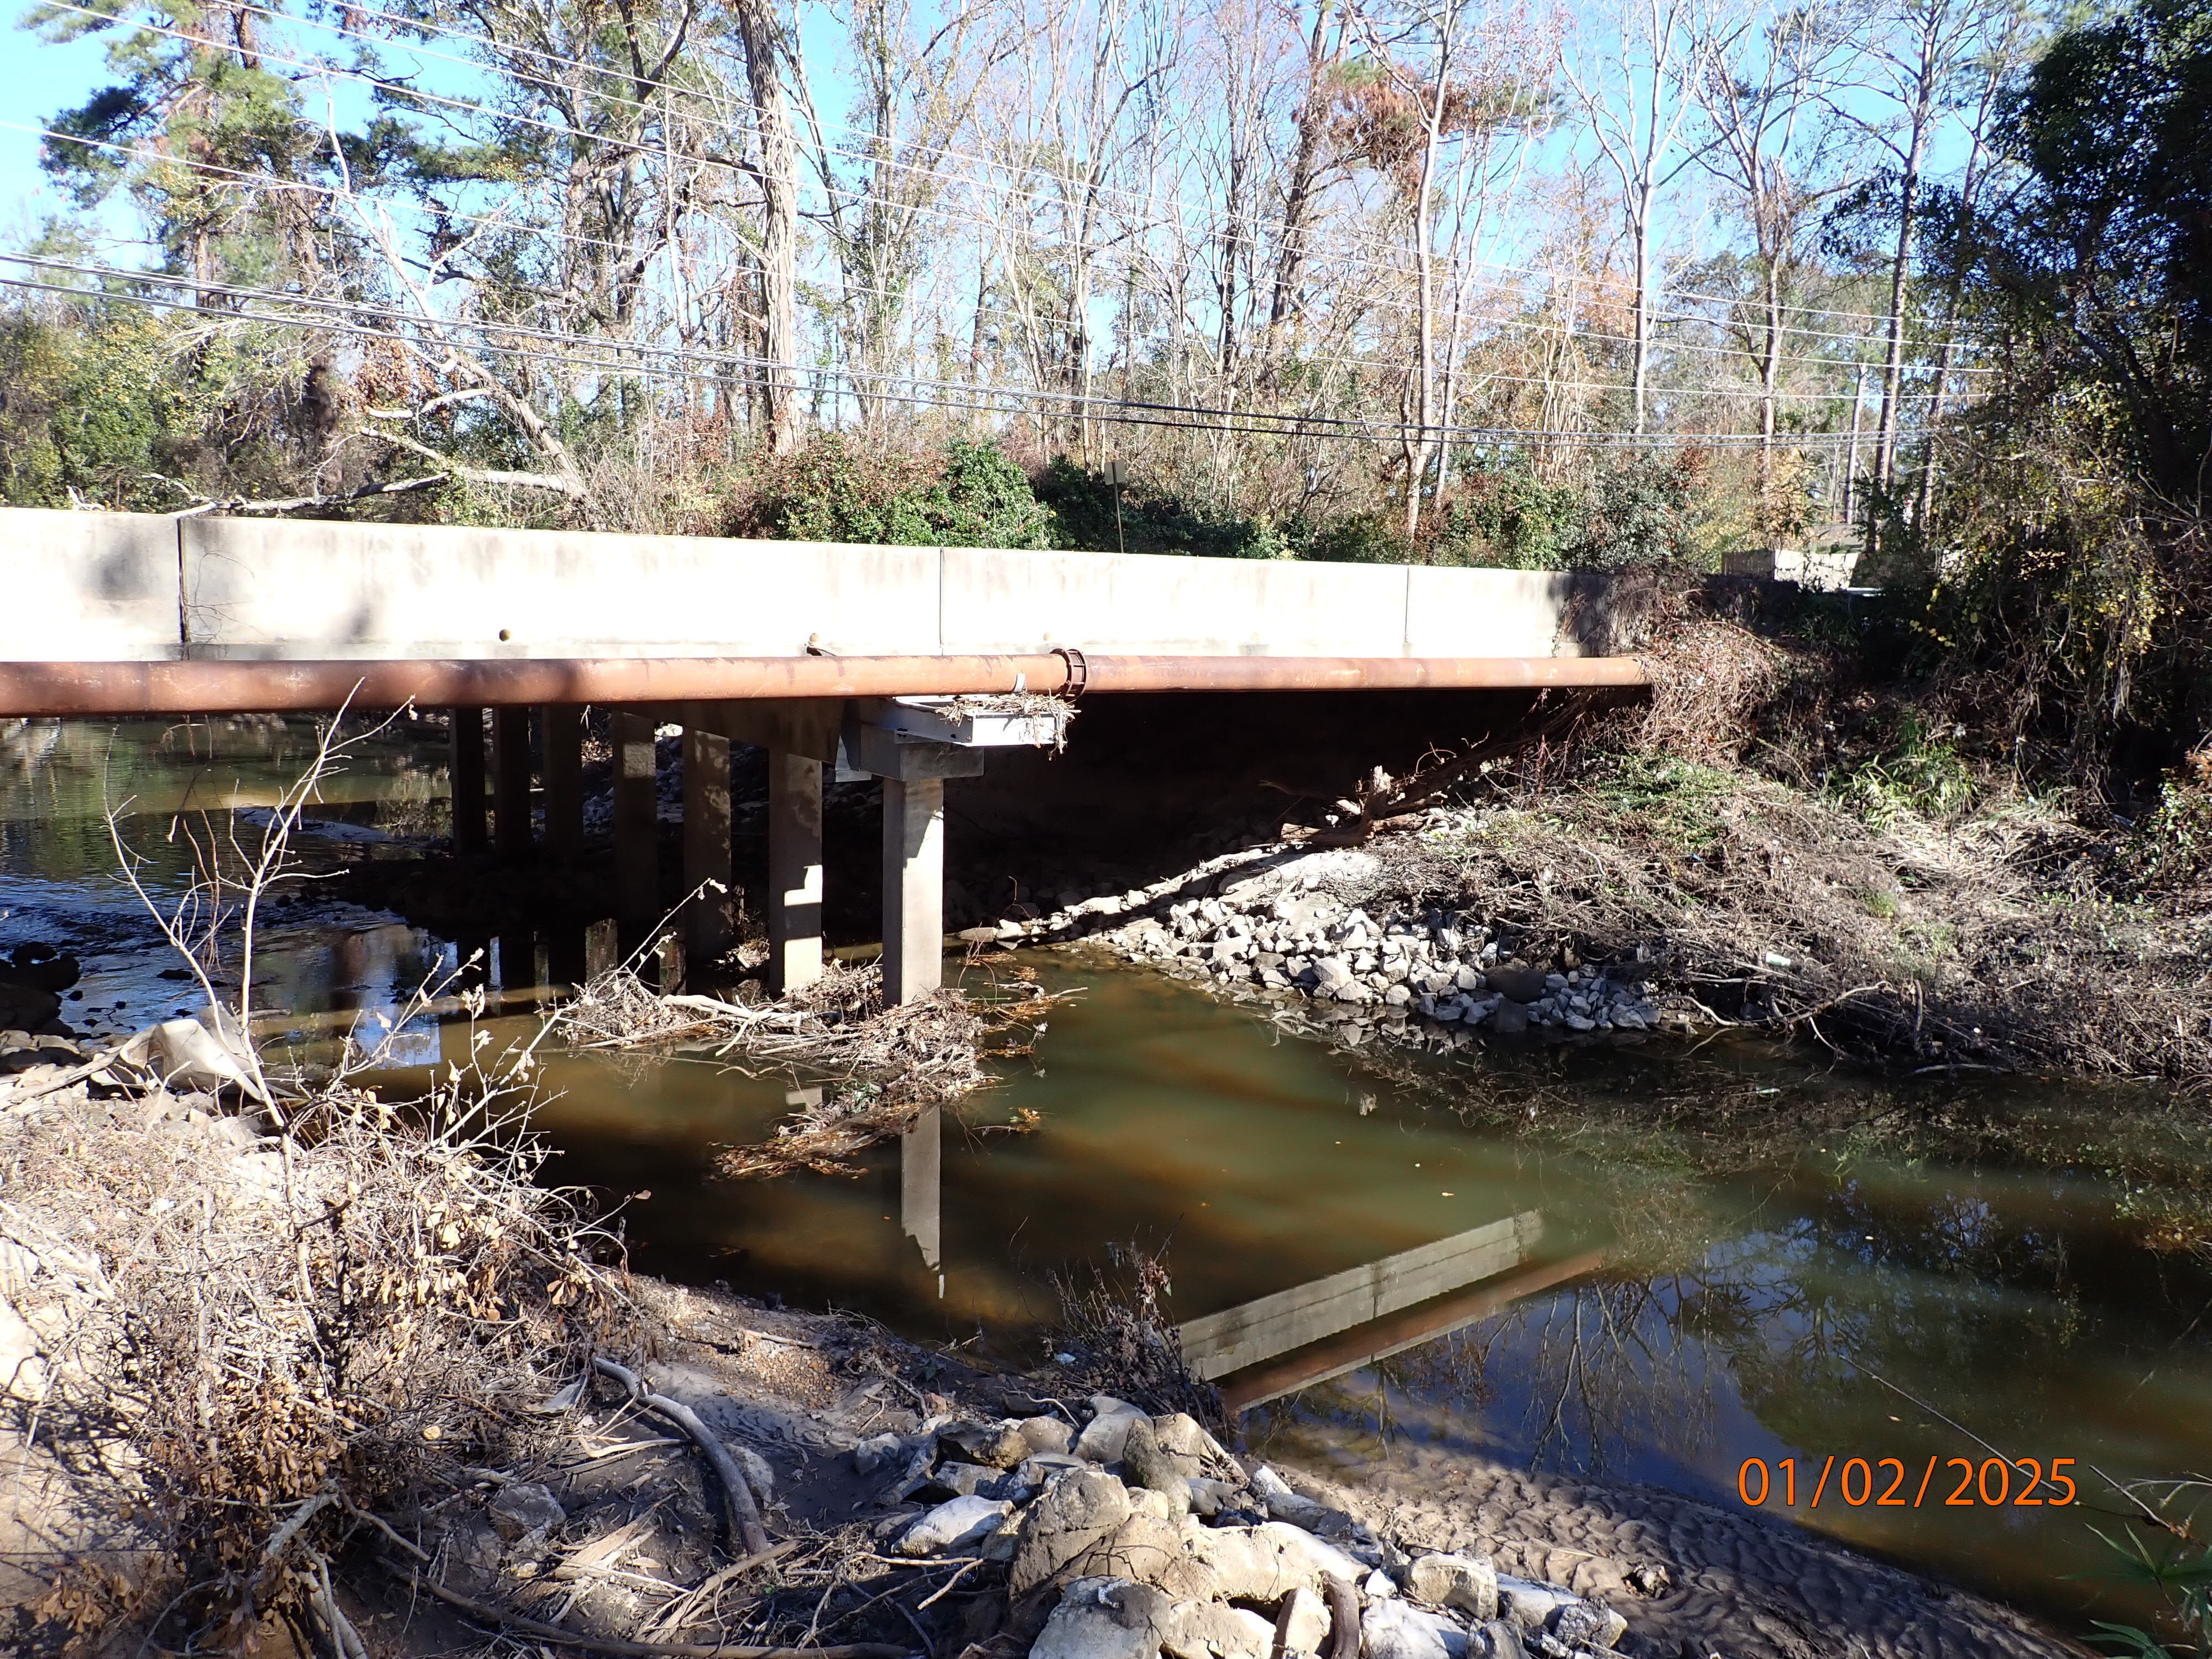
column 1769, row 374
column 1416, row 455
column 1642, row 368
column 779, row 263
column 1893, row 368
column 1305, row 168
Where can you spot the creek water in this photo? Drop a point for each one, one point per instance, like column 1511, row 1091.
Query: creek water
column 1732, row 1265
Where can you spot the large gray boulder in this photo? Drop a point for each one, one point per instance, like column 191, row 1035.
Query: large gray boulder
column 1108, row 1432
column 1309, row 1558
column 1214, row 1630
column 1266, row 1563
column 1468, row 1582
column 1106, row 1619
column 1302, row 1622
column 1165, row 1453
column 993, row 1445
column 1046, row 1434
column 1155, row 1552
column 1075, row 1511
column 1397, row 1630
column 1589, row 1625
column 1525, row 1603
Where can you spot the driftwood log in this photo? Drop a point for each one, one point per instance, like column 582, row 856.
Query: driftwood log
column 745, row 1514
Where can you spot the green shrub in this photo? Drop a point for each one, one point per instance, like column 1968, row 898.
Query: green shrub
column 1508, row 519
column 2171, row 844
column 1642, row 511
column 1920, row 775
column 972, row 495
column 1151, row 520
column 1362, row 538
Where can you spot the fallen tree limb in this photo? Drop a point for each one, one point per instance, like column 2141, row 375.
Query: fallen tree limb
column 303, row 503
column 559, row 1636
column 744, row 1513
column 555, row 482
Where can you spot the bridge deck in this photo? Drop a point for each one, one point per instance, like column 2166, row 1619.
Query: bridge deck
column 791, row 644
column 123, row 587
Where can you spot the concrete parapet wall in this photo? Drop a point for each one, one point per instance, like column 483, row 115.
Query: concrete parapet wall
column 105, row 587
column 87, row 586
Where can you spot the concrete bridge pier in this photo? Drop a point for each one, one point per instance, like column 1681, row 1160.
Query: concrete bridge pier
column 466, row 775
column 561, row 764
column 794, row 870
column 914, row 888
column 914, row 768
column 637, row 819
column 800, row 736
column 511, row 826
column 710, row 909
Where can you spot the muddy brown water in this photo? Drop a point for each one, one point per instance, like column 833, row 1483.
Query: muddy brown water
column 1891, row 1276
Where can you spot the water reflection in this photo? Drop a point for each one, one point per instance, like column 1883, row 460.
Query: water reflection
column 1685, row 1301
column 1271, row 1326
column 922, row 1188
column 174, row 783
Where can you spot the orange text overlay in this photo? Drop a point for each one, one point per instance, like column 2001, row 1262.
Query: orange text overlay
column 1890, row 1482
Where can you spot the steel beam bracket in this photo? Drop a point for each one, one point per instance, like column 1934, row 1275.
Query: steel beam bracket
column 1078, row 671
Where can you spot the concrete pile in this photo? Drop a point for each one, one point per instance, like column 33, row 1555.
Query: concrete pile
column 1283, row 928
column 1131, row 1536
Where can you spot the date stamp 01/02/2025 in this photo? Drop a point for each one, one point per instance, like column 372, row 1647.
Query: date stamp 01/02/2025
column 1888, row 1483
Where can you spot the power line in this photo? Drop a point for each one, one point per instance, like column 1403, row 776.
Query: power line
column 1481, row 376
column 668, row 152
column 969, row 397
column 1253, row 220
column 270, row 182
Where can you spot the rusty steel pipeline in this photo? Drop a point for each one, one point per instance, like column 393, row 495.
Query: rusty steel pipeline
column 46, row 688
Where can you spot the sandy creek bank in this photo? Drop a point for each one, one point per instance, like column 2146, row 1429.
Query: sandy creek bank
column 1685, row 1577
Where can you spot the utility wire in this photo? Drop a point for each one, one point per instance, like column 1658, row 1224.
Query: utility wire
column 873, row 158
column 1482, row 377
column 943, row 395
column 402, row 91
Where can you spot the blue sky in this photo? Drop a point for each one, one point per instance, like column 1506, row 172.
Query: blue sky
column 36, row 79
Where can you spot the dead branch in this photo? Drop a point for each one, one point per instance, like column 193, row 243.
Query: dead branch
column 744, row 1513
column 206, row 504
column 1377, row 802
column 555, row 1634
column 453, row 469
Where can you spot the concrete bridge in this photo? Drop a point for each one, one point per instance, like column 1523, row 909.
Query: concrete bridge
column 906, row 664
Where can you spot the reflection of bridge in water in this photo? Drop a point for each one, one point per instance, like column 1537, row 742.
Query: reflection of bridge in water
column 1292, row 1339
column 1276, row 1345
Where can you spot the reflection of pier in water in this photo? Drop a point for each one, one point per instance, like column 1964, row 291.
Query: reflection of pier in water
column 921, row 1162
column 1291, row 1340
column 1276, row 1345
